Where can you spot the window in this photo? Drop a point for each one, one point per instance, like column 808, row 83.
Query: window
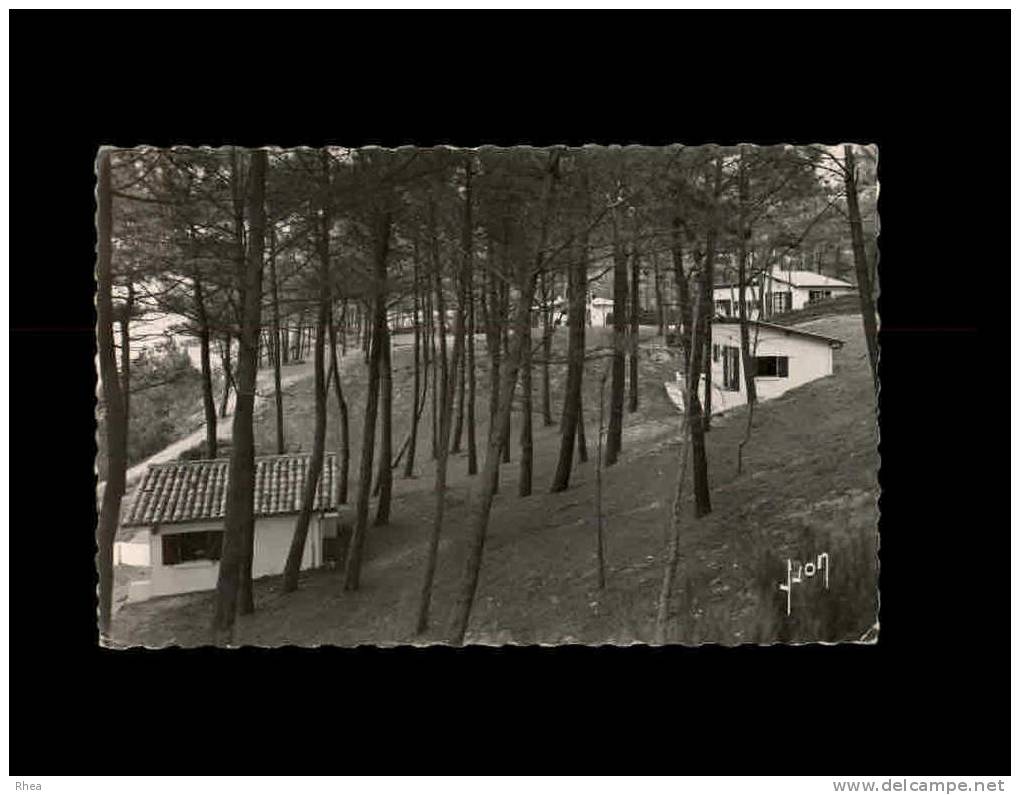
column 722, row 307
column 187, row 547
column 814, row 296
column 731, row 368
column 781, row 302
column 772, row 366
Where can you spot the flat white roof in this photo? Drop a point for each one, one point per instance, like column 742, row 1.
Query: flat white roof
column 830, row 341
column 802, row 279
column 808, row 279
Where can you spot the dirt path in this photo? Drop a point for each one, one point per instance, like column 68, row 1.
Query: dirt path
column 263, row 389
column 291, row 375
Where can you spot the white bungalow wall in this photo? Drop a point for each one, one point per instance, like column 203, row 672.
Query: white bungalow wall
column 134, row 552
column 272, row 542
column 599, row 313
column 732, row 294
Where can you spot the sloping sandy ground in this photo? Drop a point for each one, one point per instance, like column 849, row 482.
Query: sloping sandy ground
column 809, row 485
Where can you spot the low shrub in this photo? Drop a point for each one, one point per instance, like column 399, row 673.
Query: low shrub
column 844, row 611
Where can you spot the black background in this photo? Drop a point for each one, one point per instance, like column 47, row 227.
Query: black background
column 931, row 89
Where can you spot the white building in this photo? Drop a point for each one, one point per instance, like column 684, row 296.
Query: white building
column 599, row 310
column 783, row 358
column 784, row 291
column 183, row 505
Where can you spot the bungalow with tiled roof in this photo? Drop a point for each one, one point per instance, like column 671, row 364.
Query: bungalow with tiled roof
column 183, row 505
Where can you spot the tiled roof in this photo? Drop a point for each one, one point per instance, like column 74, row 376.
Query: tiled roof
column 191, row 491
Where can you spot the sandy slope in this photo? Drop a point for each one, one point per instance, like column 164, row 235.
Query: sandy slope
column 809, row 483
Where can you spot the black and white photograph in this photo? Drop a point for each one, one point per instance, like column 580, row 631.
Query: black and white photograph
column 419, row 393
column 557, row 395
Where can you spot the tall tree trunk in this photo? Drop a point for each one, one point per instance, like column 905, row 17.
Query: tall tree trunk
column 548, row 295
column 683, row 298
column 695, row 413
column 441, row 367
column 572, row 420
column 472, row 442
column 527, row 443
column 208, row 401
column 747, row 437
column 385, row 476
column 673, row 546
column 743, row 234
column 447, row 398
column 504, row 302
column 285, row 341
column 407, row 439
column 345, row 322
column 345, row 430
column 490, row 469
column 468, row 355
column 228, row 373
column 113, row 399
column 493, row 336
column 125, row 349
column 240, row 520
column 412, row 442
column 277, row 375
column 635, row 323
column 245, row 587
column 707, row 367
column 707, row 289
column 442, row 460
column 865, row 288
column 433, row 359
column 368, row 330
column 660, row 310
column 323, row 219
column 582, row 444
column 614, row 439
column 692, row 355
column 381, row 246
column 600, row 542
column 460, row 370
column 296, row 553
